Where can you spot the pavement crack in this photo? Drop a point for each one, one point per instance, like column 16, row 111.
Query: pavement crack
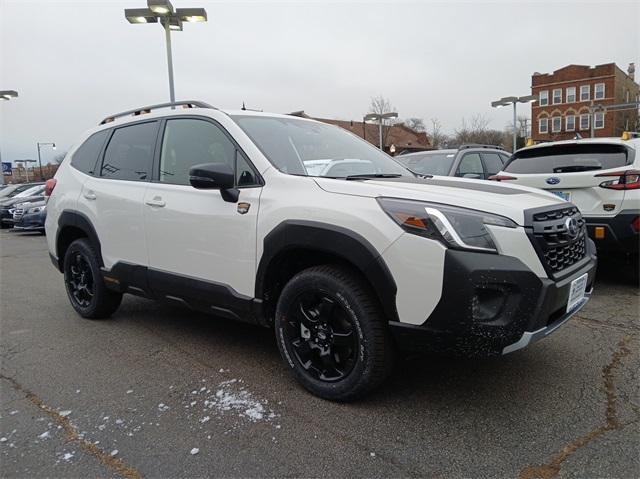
column 112, row 463
column 612, row 422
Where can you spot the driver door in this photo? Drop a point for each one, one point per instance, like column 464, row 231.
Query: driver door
column 198, row 242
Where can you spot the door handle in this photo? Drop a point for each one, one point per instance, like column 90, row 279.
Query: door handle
column 157, row 201
column 90, row 195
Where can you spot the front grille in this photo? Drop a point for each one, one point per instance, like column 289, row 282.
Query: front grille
column 18, row 213
column 552, row 238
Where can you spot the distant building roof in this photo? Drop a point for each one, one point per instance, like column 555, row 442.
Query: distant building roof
column 399, row 135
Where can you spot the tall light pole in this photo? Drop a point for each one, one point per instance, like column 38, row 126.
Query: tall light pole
column 380, row 117
column 514, row 100
column 53, row 145
column 162, row 11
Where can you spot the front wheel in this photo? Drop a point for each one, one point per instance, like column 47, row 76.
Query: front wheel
column 83, row 280
column 332, row 333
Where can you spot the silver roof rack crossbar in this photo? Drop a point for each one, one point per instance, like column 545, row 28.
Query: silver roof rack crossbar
column 147, row 109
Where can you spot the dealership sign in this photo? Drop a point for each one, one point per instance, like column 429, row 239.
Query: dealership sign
column 6, row 168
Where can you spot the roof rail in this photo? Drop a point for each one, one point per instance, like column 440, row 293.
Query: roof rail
column 147, row 109
column 478, row 145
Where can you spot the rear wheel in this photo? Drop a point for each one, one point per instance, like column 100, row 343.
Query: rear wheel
column 332, row 333
column 83, row 280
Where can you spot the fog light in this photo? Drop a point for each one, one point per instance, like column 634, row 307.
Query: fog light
column 487, row 304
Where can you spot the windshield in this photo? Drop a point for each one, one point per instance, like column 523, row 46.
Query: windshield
column 429, row 163
column 33, row 191
column 568, row 158
column 309, row 148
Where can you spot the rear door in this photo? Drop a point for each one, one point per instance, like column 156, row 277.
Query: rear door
column 113, row 198
column 574, row 172
column 471, row 166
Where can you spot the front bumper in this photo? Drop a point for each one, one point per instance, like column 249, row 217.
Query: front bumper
column 617, row 233
column 31, row 221
column 5, row 216
column 492, row 305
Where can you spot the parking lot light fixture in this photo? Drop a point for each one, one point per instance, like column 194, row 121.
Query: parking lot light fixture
column 8, row 94
column 162, row 11
column 514, row 100
column 380, row 117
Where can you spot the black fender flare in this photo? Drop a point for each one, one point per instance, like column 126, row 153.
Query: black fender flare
column 327, row 238
column 82, row 222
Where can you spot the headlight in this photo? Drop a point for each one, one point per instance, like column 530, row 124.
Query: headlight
column 459, row 228
column 36, row 209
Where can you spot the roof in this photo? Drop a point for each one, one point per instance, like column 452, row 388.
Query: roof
column 633, row 143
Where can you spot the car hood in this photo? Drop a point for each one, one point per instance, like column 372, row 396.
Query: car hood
column 23, row 199
column 489, row 196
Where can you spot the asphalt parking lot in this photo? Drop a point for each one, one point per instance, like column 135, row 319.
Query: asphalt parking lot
column 163, row 392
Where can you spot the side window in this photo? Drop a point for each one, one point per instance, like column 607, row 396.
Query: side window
column 471, row 166
column 492, row 163
column 189, row 142
column 129, row 154
column 245, row 174
column 86, row 156
column 504, row 159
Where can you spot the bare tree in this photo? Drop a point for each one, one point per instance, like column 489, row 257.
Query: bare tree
column 416, row 124
column 475, row 130
column 58, row 158
column 380, row 105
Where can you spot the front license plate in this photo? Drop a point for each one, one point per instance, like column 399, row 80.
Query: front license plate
column 576, row 292
column 565, row 195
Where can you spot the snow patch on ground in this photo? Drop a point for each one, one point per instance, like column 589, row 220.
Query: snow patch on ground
column 230, row 396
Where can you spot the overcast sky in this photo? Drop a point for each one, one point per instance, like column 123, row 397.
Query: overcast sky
column 75, row 62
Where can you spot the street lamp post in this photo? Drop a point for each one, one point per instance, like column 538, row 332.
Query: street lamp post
column 8, row 94
column 380, row 117
column 53, row 145
column 162, row 11
column 514, row 100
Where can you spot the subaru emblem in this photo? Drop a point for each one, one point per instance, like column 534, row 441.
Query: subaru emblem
column 572, row 227
column 554, row 180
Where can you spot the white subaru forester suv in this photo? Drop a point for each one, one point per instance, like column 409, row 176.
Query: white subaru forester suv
column 216, row 210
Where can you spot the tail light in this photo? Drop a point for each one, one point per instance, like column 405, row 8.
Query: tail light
column 635, row 224
column 502, row 178
column 621, row 180
column 49, row 186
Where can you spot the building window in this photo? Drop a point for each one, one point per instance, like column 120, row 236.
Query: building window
column 556, row 124
column 570, row 123
column 584, row 121
column 543, row 125
column 543, row 98
column 599, row 91
column 585, row 93
column 571, row 94
column 626, row 97
column 598, row 120
column 557, row 96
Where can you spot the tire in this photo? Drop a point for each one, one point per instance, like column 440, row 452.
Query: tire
column 332, row 333
column 83, row 281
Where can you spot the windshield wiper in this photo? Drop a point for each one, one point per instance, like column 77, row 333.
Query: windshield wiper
column 370, row 176
column 574, row 168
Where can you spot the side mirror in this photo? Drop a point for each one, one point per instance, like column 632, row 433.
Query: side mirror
column 215, row 176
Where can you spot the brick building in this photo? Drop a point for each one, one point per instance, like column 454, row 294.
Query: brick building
column 579, row 99
column 403, row 138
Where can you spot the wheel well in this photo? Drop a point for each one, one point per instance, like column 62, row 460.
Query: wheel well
column 67, row 235
column 290, row 262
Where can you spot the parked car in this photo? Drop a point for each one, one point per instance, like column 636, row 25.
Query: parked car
column 215, row 209
column 601, row 176
column 30, row 216
column 34, row 193
column 9, row 191
column 478, row 162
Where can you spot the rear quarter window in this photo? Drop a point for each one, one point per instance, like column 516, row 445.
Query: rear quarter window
column 86, row 156
column 569, row 158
